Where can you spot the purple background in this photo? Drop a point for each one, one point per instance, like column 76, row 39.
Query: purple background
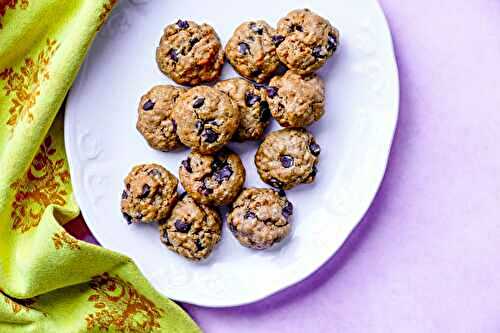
column 425, row 258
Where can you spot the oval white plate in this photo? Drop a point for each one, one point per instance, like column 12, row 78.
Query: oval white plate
column 355, row 135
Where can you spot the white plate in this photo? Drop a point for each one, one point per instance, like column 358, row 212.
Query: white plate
column 355, row 135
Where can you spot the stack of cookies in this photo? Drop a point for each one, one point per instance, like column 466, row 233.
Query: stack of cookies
column 277, row 66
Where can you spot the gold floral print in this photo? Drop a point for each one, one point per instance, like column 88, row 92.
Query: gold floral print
column 11, row 4
column 62, row 239
column 23, row 86
column 105, row 10
column 121, row 307
column 42, row 185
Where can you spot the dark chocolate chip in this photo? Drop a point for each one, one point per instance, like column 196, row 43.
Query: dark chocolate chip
column 287, row 210
column 164, row 237
column 187, row 165
column 182, row 24
column 173, row 55
column 255, row 28
column 275, row 183
column 145, row 191
column 296, row 27
column 198, row 102
column 149, row 105
column 256, row 73
column 199, row 126
column 124, row 194
column 250, row 215
column 259, row 86
column 243, row 48
column 181, row 226
column 251, row 99
column 318, row 52
column 332, row 43
column 199, row 245
column 223, row 174
column 128, row 218
column 265, row 113
column 154, row 173
column 182, row 195
column 315, row 148
column 272, row 91
column 214, row 122
column 314, row 172
column 286, row 161
column 278, row 39
column 282, row 193
column 217, row 164
column 174, row 126
column 203, row 189
column 193, row 41
column 210, row 136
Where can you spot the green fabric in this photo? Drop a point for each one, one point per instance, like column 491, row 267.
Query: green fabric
column 49, row 281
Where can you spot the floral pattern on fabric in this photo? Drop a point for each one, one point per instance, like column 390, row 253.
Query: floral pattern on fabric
column 121, row 307
column 11, row 4
column 23, row 86
column 63, row 239
column 43, row 184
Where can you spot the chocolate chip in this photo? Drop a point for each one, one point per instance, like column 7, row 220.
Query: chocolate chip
column 124, row 194
column 265, row 113
column 272, row 91
column 199, row 245
column 287, row 211
column 282, row 193
column 251, row 99
column 193, row 41
column 149, row 105
column 128, row 218
column 255, row 28
column 286, row 161
column 314, row 171
column 164, row 237
column 315, row 148
column 250, row 215
column 275, row 183
column 145, row 191
column 214, row 122
column 173, row 55
column 203, row 189
column 127, row 186
column 182, row 195
column 154, row 173
column 318, row 52
column 278, row 39
column 332, row 43
column 217, row 164
column 182, row 24
column 210, row 136
column 199, row 126
column 174, row 126
column 259, row 86
column 181, row 226
column 256, row 73
column 198, row 102
column 296, row 27
column 223, row 174
column 187, row 165
column 243, row 48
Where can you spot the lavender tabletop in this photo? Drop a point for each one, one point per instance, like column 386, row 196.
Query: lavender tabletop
column 424, row 258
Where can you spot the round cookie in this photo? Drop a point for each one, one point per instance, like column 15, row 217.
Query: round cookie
column 154, row 121
column 307, row 41
column 260, row 217
column 287, row 158
column 192, row 230
column 253, row 107
column 213, row 179
column 252, row 50
column 150, row 194
column 295, row 100
column 190, row 53
column 206, row 119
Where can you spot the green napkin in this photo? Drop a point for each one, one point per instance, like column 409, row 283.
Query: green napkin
column 49, row 281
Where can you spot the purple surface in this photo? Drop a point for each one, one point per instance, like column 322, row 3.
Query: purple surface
column 425, row 257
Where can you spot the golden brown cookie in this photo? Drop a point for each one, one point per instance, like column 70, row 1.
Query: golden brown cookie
column 154, row 120
column 150, row 194
column 260, row 217
column 190, row 53
column 287, row 158
column 307, row 41
column 192, row 230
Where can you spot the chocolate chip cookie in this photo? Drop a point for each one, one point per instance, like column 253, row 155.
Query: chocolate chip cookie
column 260, row 217
column 155, row 117
column 192, row 230
column 213, row 179
column 252, row 104
column 206, row 119
column 287, row 158
column 252, row 50
column 307, row 41
column 295, row 100
column 190, row 53
column 150, row 194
